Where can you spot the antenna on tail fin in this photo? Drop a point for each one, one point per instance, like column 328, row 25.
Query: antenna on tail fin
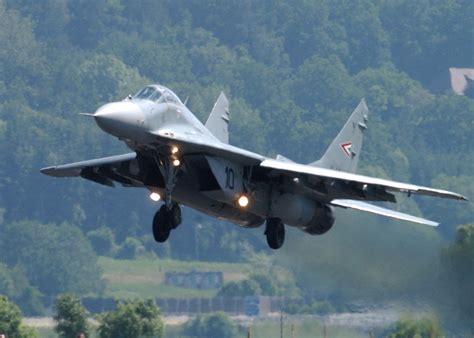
column 344, row 151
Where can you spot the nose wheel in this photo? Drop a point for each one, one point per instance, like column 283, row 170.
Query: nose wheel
column 275, row 232
column 165, row 220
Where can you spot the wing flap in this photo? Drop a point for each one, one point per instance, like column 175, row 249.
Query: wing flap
column 345, row 176
column 373, row 209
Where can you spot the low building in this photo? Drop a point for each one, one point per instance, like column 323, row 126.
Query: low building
column 195, row 279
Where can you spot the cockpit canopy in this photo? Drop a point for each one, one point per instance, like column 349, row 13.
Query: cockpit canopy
column 157, row 93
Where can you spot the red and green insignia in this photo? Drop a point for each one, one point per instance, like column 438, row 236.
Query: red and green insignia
column 346, row 148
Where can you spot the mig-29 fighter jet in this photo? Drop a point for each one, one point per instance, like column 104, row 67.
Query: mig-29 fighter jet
column 182, row 161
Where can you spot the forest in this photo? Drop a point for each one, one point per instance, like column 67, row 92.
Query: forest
column 293, row 72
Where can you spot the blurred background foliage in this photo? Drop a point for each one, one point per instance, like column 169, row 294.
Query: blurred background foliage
column 293, row 72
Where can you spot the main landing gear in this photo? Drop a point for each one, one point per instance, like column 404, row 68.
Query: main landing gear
column 275, row 232
column 168, row 217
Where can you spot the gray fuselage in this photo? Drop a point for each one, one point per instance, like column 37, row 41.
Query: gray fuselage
column 209, row 184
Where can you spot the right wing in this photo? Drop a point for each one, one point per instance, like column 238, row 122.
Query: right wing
column 328, row 176
column 359, row 184
column 104, row 170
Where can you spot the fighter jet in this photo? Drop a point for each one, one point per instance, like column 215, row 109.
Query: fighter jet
column 184, row 162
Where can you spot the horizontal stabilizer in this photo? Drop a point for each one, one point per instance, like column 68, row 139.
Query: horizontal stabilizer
column 357, row 205
column 218, row 121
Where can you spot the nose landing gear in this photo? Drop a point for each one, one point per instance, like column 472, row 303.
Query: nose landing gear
column 168, row 217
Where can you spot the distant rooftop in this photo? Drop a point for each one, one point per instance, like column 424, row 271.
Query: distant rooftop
column 461, row 80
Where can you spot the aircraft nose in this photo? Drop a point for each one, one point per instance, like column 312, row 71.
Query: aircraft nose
column 119, row 118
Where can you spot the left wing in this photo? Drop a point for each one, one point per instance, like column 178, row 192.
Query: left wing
column 360, row 180
column 104, row 170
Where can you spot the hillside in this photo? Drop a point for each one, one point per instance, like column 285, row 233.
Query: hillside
column 293, row 72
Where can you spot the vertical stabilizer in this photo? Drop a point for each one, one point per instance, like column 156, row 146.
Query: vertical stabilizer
column 344, row 151
column 218, row 121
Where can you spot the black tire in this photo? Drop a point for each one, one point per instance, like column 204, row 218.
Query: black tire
column 161, row 228
column 175, row 216
column 275, row 232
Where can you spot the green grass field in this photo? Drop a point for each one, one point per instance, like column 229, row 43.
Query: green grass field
column 271, row 328
column 144, row 277
column 304, row 329
column 46, row 332
column 263, row 329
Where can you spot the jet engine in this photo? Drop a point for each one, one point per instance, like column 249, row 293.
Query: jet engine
column 301, row 212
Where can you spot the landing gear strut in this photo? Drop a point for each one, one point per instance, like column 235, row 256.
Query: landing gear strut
column 169, row 215
column 275, row 232
column 169, row 167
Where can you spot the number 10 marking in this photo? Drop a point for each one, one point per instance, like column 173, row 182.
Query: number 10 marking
column 230, row 177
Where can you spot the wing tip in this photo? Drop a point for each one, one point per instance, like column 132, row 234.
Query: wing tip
column 55, row 171
column 430, row 223
column 457, row 196
column 48, row 170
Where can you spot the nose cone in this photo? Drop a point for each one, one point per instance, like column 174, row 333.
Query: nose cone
column 120, row 119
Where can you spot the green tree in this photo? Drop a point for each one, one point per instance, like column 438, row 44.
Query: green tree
column 323, row 85
column 216, row 324
column 90, row 20
column 15, row 284
column 429, row 37
column 102, row 240
column 266, row 283
column 56, row 258
column 20, row 57
column 10, row 321
column 369, row 49
column 243, row 288
column 71, row 317
column 7, row 286
column 50, row 17
column 293, row 71
column 410, row 327
column 132, row 319
column 104, row 78
column 130, row 248
column 306, row 30
column 458, row 262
